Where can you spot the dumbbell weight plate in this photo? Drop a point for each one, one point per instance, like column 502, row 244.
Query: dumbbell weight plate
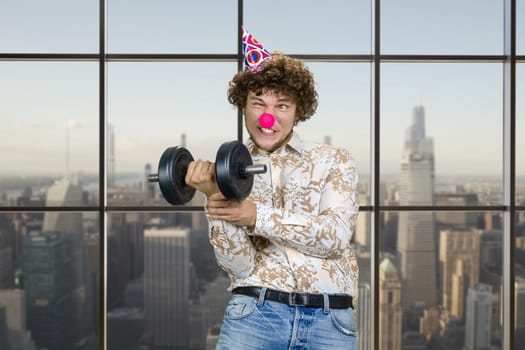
column 173, row 166
column 231, row 159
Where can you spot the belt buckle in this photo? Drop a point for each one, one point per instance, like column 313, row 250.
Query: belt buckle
column 298, row 299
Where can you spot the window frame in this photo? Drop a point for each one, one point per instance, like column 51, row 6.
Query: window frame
column 509, row 208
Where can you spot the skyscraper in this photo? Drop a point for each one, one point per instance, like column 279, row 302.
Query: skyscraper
column 67, row 192
column 459, row 264
column 478, row 317
column 14, row 301
column 519, row 315
column 47, row 283
column 166, row 286
column 363, row 317
column 7, row 258
column 416, row 251
column 390, row 311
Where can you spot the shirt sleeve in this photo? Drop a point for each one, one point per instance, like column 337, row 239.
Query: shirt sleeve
column 233, row 247
column 327, row 234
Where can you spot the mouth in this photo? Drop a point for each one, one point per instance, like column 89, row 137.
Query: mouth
column 267, row 131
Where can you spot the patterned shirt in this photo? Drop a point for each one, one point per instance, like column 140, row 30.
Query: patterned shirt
column 306, row 213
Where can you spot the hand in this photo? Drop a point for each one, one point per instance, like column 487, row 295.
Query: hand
column 240, row 213
column 201, row 176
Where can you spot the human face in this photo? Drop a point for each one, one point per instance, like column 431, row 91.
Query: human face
column 283, row 109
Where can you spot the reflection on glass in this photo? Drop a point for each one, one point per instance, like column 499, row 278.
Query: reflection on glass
column 165, row 288
column 49, row 280
column 425, row 150
column 519, row 283
column 440, row 279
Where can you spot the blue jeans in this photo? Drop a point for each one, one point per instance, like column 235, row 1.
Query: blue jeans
column 268, row 325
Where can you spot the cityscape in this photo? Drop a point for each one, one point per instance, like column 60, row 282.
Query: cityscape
column 440, row 273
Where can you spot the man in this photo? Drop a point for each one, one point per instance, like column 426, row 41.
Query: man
column 286, row 248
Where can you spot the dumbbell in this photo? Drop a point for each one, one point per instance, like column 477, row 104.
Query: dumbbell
column 234, row 172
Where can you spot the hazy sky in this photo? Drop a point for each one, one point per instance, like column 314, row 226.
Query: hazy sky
column 151, row 104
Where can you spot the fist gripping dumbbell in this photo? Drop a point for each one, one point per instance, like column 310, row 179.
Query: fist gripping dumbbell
column 234, row 172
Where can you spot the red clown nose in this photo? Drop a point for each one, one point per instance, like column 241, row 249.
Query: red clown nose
column 266, row 120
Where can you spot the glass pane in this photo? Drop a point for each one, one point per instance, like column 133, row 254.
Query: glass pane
column 519, row 287
column 442, row 27
column 167, row 26
column 316, row 27
column 49, row 279
column 520, row 27
column 520, row 130
column 164, row 286
column 440, row 282
column 49, row 133
column 153, row 106
column 441, row 133
column 52, row 26
column 343, row 116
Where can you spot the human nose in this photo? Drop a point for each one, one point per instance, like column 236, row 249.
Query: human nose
column 266, row 120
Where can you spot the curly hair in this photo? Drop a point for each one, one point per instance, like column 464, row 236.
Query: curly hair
column 283, row 75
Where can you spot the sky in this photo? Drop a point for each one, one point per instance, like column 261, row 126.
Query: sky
column 150, row 104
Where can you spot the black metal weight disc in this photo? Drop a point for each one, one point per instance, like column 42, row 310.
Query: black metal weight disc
column 232, row 158
column 173, row 166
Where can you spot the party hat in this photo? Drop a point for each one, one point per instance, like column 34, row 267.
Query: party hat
column 254, row 53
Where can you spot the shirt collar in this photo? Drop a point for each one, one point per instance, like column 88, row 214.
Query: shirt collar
column 295, row 143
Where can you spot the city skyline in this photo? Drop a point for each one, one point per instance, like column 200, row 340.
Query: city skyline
column 148, row 102
column 159, row 266
column 131, row 251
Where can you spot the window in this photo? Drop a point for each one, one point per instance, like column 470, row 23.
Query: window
column 423, row 104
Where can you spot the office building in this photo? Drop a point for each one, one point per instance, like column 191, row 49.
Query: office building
column 478, row 317
column 459, row 266
column 457, row 219
column 390, row 309
column 416, row 247
column 70, row 225
column 166, row 286
column 363, row 317
column 48, row 288
column 519, row 314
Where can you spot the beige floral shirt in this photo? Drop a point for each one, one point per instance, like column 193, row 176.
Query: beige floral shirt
column 306, row 213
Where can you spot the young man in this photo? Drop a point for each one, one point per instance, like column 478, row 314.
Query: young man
column 286, row 248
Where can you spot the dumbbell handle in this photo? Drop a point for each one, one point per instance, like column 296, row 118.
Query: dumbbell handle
column 252, row 169
column 153, row 177
column 244, row 171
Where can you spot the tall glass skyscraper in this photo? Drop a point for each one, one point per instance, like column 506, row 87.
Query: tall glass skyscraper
column 478, row 317
column 416, row 247
column 166, row 286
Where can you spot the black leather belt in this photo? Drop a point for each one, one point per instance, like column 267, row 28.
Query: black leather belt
column 298, row 299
